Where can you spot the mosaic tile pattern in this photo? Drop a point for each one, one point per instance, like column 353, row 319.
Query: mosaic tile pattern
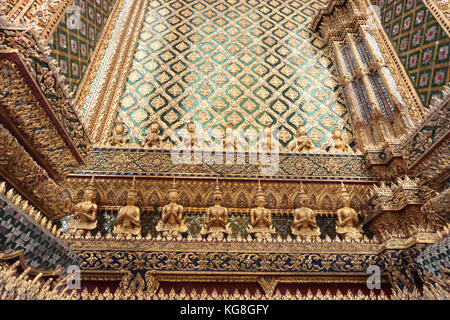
column 435, row 257
column 421, row 43
column 41, row 249
column 245, row 62
column 73, row 44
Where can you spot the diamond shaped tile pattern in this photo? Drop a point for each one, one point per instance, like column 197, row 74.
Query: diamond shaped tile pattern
column 244, row 62
column 41, row 249
column 421, row 43
column 436, row 256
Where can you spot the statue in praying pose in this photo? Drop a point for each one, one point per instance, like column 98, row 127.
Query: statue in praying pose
column 303, row 142
column 129, row 217
column 261, row 218
column 172, row 222
column 216, row 220
column 117, row 139
column 153, row 140
column 305, row 225
column 347, row 219
column 339, row 145
column 85, row 216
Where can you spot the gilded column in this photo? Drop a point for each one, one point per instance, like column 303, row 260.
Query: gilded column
column 362, row 71
column 379, row 64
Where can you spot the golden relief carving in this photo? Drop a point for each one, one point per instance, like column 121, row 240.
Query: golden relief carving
column 153, row 140
column 117, row 139
column 305, row 225
column 261, row 217
column 347, row 223
column 303, row 142
column 128, row 220
column 338, row 144
column 216, row 220
column 172, row 222
column 85, row 216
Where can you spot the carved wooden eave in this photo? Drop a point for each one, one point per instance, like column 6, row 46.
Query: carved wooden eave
column 36, row 108
column 427, row 144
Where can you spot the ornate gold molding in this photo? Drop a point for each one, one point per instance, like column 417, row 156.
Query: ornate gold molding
column 98, row 55
column 102, row 108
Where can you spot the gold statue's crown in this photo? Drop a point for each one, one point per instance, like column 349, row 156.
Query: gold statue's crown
column 302, row 195
column 217, row 190
column 173, row 188
column 91, row 185
column 344, row 192
column 260, row 192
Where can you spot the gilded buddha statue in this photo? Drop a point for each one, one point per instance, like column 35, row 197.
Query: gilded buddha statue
column 303, row 142
column 347, row 219
column 117, row 139
column 339, row 145
column 261, row 217
column 153, row 140
column 129, row 217
column 304, row 224
column 85, row 216
column 216, row 219
column 172, row 222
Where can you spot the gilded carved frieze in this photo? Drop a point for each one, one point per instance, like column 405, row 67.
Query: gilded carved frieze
column 42, row 15
column 37, row 107
column 236, row 193
column 33, row 182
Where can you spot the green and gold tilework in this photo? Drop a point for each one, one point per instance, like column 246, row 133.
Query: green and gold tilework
column 420, row 42
column 73, row 44
column 244, row 62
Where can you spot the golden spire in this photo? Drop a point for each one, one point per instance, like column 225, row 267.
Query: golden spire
column 174, row 187
column 260, row 192
column 133, row 187
column 303, row 195
column 217, row 190
column 91, row 185
column 344, row 192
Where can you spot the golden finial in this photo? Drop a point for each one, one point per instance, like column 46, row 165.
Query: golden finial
column 91, row 185
column 260, row 192
column 173, row 187
column 217, row 190
column 303, row 195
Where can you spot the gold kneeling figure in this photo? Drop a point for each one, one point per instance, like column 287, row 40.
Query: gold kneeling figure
column 85, row 216
column 216, row 220
column 261, row 218
column 303, row 143
column 347, row 219
column 305, row 224
column 129, row 217
column 339, row 145
column 172, row 222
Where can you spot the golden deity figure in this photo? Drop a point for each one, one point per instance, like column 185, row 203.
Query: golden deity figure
column 305, row 225
column 216, row 220
column 85, row 216
column 192, row 141
column 347, row 219
column 153, row 140
column 117, row 138
column 261, row 218
column 303, row 142
column 172, row 222
column 129, row 217
column 339, row 145
column 229, row 141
